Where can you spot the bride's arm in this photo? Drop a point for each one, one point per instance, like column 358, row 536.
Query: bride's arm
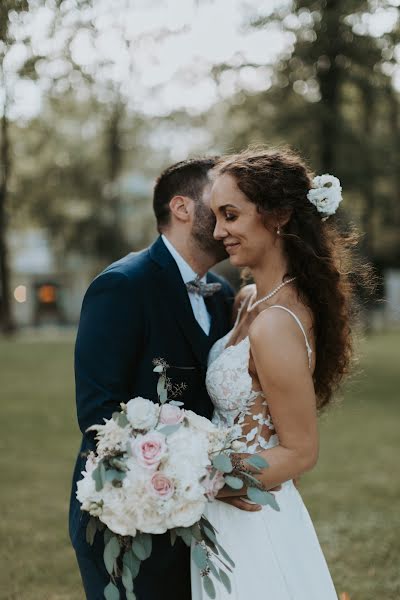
column 281, row 362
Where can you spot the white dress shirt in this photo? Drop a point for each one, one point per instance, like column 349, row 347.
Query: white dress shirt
column 198, row 305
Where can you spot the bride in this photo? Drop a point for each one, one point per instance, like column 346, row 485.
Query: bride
column 280, row 364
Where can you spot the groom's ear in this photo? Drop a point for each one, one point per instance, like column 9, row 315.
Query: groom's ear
column 182, row 208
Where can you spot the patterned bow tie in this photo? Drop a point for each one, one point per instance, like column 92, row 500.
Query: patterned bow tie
column 204, row 289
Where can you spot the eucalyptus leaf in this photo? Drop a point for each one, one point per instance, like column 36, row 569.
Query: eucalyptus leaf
column 205, row 521
column 102, row 472
column 138, row 549
column 196, row 532
column 210, row 534
column 168, row 429
column 130, row 596
column 222, row 462
column 225, row 580
column 107, row 536
column 111, row 592
column 146, row 541
column 91, row 529
column 97, row 478
column 111, row 551
column 162, row 389
column 209, row 587
column 214, row 570
column 176, row 402
column 112, row 474
column 132, row 562
column 250, row 478
column 234, row 482
column 158, row 369
column 172, row 534
column 257, row 461
column 262, row 497
column 211, row 545
column 122, row 420
column 115, row 416
column 185, row 534
column 226, row 555
column 199, row 555
column 127, row 578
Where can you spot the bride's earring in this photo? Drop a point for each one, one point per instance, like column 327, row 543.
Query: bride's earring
column 278, row 230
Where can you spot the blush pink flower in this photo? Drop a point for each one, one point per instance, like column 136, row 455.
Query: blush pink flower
column 213, row 485
column 149, row 449
column 171, row 414
column 161, row 486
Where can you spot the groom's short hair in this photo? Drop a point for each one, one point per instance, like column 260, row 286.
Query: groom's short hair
column 185, row 178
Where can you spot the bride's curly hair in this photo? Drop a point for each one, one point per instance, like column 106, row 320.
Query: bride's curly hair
column 320, row 255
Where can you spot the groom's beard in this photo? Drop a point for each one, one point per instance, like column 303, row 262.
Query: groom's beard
column 202, row 233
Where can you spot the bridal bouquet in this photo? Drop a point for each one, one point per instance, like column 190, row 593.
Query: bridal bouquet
column 154, row 469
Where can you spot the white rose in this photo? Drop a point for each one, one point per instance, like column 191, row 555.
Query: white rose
column 86, row 491
column 119, row 513
column 188, row 446
column 326, row 194
column 199, row 422
column 186, row 513
column 142, row 414
column 216, row 436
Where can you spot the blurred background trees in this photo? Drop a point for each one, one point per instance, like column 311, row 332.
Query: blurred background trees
column 79, row 165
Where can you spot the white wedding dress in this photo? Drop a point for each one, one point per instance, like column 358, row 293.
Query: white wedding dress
column 277, row 554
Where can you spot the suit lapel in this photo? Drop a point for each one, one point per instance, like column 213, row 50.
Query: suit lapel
column 178, row 300
column 219, row 310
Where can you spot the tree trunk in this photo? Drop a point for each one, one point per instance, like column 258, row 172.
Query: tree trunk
column 368, row 184
column 6, row 320
column 328, row 75
column 395, row 129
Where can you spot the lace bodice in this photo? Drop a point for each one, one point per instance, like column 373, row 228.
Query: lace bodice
column 230, row 387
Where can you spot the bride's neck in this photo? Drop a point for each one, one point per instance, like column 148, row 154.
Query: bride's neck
column 269, row 275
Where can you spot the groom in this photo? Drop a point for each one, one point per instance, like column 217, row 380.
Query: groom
column 138, row 309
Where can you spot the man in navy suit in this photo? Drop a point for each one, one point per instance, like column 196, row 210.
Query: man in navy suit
column 138, row 309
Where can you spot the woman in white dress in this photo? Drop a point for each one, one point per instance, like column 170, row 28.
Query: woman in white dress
column 279, row 366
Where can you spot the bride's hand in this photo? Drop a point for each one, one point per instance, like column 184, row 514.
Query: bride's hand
column 239, row 502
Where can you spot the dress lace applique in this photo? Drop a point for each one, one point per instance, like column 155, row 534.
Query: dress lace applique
column 230, row 388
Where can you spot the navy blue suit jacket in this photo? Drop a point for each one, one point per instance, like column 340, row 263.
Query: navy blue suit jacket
column 134, row 311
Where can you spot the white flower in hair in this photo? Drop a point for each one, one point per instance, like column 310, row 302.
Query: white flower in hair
column 325, row 194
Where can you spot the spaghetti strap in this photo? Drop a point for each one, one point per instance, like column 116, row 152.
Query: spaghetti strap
column 309, row 349
column 242, row 305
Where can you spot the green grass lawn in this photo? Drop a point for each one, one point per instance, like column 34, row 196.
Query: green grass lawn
column 352, row 495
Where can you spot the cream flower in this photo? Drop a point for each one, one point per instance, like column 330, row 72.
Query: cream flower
column 142, row 414
column 325, row 194
column 110, row 437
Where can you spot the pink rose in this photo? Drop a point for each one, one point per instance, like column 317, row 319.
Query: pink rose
column 149, row 449
column 171, row 414
column 213, row 485
column 161, row 486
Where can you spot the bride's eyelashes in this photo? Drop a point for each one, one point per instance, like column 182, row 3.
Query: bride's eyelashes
column 230, row 216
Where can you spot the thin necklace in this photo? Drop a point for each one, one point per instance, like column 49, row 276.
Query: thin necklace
column 252, row 305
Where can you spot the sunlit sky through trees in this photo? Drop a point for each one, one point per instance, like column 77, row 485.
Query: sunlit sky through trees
column 158, row 54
